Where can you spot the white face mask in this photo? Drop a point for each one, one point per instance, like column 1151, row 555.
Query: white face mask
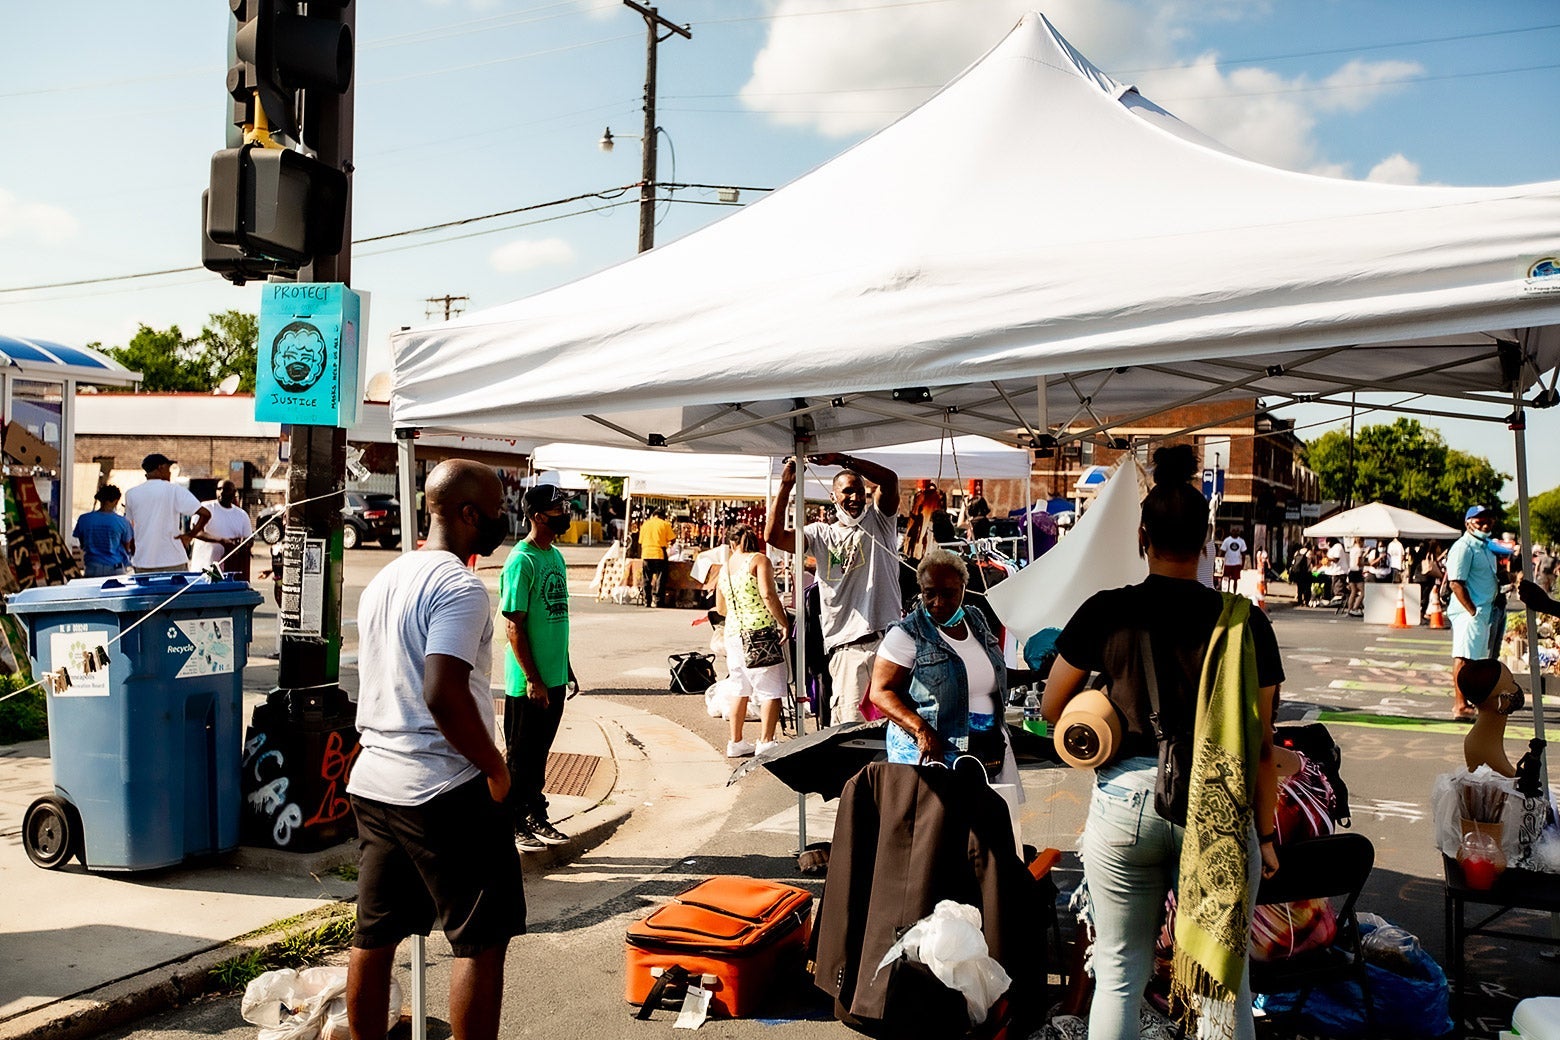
column 846, row 519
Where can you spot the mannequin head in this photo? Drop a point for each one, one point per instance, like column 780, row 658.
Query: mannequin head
column 1490, row 687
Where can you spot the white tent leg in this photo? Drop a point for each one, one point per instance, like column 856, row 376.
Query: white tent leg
column 406, row 490
column 1535, row 678
column 798, row 597
column 419, row 987
column 406, row 487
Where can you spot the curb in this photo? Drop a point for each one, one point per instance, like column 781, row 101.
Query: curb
column 176, row 982
column 156, row 989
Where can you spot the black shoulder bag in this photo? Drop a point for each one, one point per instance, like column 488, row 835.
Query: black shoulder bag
column 1175, row 749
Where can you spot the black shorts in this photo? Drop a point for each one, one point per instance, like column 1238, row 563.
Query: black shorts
column 452, row 860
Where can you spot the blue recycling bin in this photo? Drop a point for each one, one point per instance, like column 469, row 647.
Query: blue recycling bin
column 146, row 748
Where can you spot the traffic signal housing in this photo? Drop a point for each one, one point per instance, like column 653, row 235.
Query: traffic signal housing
column 271, row 209
column 276, row 204
column 294, row 64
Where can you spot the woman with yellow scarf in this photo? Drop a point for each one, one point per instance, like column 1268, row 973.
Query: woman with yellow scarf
column 1216, row 667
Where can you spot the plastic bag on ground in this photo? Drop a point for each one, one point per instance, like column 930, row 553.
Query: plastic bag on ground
column 304, row 1005
column 950, row 943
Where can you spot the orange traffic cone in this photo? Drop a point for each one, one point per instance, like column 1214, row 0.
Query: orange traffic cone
column 1400, row 619
column 1437, row 619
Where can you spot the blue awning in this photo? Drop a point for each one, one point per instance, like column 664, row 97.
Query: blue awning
column 42, row 359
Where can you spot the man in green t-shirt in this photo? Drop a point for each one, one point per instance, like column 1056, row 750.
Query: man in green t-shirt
column 533, row 596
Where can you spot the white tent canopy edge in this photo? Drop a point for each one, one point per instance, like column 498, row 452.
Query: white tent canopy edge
column 878, row 298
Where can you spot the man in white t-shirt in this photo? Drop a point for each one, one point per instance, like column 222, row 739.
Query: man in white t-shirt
column 227, row 529
column 1234, row 550
column 428, row 787
column 858, row 571
column 156, row 510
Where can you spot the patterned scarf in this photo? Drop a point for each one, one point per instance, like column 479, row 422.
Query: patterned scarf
column 1213, row 917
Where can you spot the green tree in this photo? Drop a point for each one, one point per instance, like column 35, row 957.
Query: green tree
column 1404, row 464
column 229, row 344
column 1544, row 512
column 164, row 357
column 169, row 361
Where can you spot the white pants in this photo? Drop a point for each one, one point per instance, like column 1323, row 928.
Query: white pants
column 850, row 671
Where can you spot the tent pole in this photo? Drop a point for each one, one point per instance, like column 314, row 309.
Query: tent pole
column 1535, row 679
column 799, row 600
column 1029, row 505
column 406, row 490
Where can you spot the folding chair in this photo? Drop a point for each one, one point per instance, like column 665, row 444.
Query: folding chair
column 1334, row 866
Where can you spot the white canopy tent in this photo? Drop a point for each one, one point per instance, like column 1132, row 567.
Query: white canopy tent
column 1379, row 520
column 1033, row 220
column 1035, row 245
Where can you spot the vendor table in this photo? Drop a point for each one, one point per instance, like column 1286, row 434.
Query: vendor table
column 1513, row 890
column 681, row 590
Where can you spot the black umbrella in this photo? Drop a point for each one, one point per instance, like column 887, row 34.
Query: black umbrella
column 822, row 761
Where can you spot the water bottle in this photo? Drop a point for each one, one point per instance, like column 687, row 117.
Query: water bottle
column 1034, row 722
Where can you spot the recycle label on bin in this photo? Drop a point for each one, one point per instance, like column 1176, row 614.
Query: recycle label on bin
column 206, row 644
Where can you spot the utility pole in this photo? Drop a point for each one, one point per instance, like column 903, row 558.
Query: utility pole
column 452, row 305
column 653, row 24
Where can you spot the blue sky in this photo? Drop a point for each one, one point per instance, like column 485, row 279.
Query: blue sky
column 110, row 113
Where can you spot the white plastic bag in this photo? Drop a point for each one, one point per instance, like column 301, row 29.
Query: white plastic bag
column 950, row 943
column 720, row 699
column 303, row 1005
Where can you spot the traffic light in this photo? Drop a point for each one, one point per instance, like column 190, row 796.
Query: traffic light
column 271, row 209
column 294, row 63
column 275, row 204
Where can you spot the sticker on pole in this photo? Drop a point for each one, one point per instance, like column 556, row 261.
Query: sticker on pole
column 206, row 644
column 69, row 648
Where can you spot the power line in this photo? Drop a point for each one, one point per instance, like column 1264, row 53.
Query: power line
column 607, row 193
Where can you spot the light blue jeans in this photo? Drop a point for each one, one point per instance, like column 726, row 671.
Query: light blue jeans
column 1131, row 858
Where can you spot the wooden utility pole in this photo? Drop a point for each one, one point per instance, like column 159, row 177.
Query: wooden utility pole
column 653, row 24
column 452, row 305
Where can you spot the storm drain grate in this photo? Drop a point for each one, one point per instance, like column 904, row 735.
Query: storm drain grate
column 569, row 774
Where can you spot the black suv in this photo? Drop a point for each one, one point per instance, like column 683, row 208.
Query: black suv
column 366, row 517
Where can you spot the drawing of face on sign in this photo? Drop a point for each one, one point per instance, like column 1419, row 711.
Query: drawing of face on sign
column 298, row 356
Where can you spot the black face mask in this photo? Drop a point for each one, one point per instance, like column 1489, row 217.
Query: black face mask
column 491, row 533
column 558, row 524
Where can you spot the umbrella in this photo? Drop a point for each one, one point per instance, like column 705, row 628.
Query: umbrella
column 1379, row 520
column 822, row 761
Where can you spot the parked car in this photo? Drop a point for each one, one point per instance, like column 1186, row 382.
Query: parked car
column 366, row 517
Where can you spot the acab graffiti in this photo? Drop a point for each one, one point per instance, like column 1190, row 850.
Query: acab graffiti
column 273, row 793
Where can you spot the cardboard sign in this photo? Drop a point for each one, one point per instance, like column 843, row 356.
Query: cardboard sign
column 308, row 368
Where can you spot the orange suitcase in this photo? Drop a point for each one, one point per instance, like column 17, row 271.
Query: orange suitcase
column 743, row 931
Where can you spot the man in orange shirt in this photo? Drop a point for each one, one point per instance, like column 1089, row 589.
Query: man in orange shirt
column 655, row 534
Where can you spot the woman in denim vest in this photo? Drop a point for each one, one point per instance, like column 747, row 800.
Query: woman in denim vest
column 940, row 676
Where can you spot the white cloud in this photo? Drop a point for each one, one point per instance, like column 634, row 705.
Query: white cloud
column 601, row 9
column 527, row 254
column 34, row 221
column 851, row 73
column 1395, row 169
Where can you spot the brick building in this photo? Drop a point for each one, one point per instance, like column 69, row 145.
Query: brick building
column 1265, row 483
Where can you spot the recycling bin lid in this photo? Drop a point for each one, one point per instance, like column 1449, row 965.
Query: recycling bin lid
column 133, row 592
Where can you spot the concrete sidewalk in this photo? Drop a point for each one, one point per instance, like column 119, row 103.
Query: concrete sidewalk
column 83, row 951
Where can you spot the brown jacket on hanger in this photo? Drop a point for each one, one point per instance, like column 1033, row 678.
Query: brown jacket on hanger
column 907, row 837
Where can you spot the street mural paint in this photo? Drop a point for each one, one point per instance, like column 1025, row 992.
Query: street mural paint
column 68, row 646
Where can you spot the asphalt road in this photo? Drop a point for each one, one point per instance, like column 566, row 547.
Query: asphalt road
column 1385, row 694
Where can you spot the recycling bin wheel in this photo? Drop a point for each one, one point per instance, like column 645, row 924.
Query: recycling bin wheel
column 51, row 832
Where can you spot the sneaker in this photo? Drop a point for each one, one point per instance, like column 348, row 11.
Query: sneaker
column 764, row 746
column 526, row 841
column 739, row 748
column 546, row 831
